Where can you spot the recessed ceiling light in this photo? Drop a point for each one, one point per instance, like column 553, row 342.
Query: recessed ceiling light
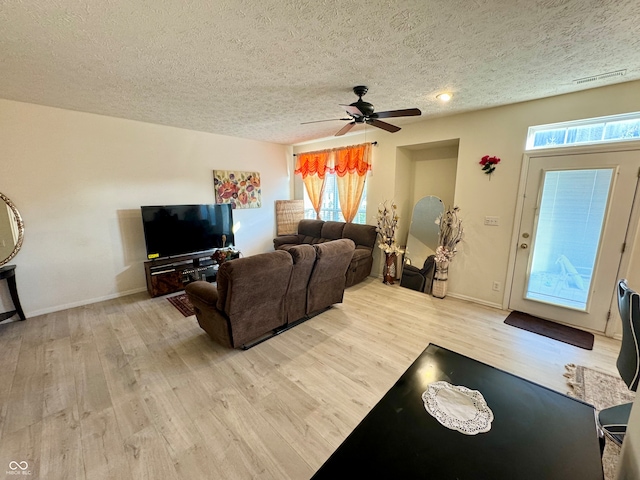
column 444, row 97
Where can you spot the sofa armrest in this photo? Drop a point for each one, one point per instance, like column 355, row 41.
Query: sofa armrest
column 204, row 296
column 202, row 292
column 284, row 240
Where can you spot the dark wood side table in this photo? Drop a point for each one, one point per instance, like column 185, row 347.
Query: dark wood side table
column 8, row 273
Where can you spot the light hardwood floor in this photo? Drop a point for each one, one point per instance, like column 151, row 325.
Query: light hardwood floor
column 130, row 389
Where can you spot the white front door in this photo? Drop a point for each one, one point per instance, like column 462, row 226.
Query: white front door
column 574, row 222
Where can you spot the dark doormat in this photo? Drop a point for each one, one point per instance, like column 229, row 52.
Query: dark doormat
column 562, row 333
column 182, row 303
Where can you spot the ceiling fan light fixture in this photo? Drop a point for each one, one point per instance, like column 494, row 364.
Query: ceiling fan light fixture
column 362, row 112
column 444, row 97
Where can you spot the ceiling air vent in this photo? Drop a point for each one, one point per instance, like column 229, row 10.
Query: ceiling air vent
column 602, row 76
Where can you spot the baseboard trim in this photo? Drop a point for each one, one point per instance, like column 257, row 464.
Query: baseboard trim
column 475, row 300
column 82, row 303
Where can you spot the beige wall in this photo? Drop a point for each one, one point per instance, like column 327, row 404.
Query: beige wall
column 484, row 254
column 435, row 174
column 79, row 180
column 420, row 171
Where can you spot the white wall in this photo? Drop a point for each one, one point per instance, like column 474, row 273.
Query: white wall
column 79, row 180
column 483, row 255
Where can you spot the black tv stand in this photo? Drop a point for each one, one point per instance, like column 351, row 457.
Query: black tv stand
column 169, row 275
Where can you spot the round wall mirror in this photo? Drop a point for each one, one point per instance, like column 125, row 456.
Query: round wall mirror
column 11, row 230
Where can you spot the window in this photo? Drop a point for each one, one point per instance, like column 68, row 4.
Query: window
column 330, row 209
column 616, row 128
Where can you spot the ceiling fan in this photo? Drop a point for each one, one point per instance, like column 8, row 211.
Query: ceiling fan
column 363, row 112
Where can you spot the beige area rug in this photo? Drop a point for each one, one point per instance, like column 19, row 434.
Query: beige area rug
column 602, row 391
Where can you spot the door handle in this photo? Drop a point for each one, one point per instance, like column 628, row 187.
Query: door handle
column 524, row 245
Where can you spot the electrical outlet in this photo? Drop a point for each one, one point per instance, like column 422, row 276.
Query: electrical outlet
column 492, row 221
column 496, row 286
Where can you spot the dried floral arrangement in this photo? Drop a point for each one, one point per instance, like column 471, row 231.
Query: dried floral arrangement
column 387, row 219
column 450, row 234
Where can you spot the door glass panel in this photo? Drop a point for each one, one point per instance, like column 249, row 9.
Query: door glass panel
column 567, row 239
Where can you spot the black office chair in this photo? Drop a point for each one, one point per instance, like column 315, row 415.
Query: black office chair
column 614, row 420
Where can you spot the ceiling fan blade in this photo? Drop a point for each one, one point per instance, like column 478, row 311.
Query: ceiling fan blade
column 408, row 112
column 345, row 129
column 351, row 110
column 383, row 125
column 329, row 120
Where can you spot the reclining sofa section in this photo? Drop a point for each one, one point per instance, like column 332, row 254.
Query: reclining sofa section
column 318, row 231
column 263, row 295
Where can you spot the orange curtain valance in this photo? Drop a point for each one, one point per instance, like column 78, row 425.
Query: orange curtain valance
column 312, row 163
column 355, row 159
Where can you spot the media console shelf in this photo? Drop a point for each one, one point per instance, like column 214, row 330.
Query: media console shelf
column 169, row 275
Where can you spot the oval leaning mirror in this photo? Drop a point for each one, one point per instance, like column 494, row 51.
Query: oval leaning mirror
column 423, row 232
column 421, row 243
column 11, row 230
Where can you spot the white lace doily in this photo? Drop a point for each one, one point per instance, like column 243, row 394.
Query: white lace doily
column 458, row 408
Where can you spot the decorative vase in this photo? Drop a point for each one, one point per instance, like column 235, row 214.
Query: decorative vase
column 440, row 277
column 389, row 273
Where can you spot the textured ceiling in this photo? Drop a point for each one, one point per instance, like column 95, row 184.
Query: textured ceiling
column 256, row 69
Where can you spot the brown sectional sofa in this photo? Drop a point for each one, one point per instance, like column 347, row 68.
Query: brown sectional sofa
column 265, row 294
column 318, row 231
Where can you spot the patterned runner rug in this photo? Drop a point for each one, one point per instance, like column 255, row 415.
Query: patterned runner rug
column 182, row 303
column 602, row 391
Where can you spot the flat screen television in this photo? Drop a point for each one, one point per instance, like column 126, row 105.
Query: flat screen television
column 171, row 230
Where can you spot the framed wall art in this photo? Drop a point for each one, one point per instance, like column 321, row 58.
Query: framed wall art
column 240, row 189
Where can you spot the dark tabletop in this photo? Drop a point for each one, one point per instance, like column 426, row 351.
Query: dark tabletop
column 536, row 434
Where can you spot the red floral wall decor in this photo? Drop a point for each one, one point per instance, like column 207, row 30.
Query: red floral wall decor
column 489, row 164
